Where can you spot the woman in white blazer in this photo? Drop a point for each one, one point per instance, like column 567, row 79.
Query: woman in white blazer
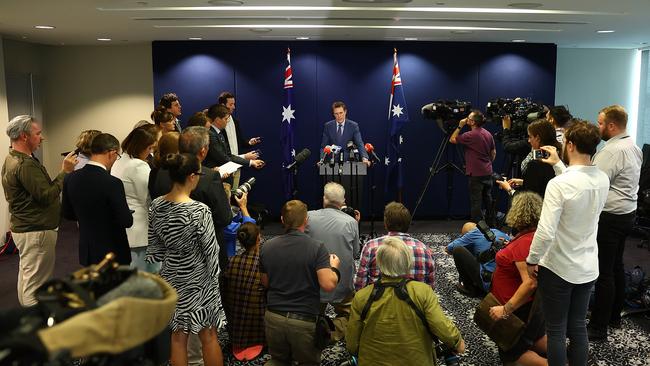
column 133, row 170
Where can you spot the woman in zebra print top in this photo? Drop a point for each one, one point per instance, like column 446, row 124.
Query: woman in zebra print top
column 181, row 236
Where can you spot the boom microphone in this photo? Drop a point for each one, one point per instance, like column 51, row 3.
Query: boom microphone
column 371, row 150
column 299, row 159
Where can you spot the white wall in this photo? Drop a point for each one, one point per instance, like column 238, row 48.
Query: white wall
column 4, row 140
column 589, row 79
column 106, row 88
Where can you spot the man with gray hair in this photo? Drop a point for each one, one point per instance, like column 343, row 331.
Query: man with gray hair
column 398, row 311
column 34, row 205
column 340, row 233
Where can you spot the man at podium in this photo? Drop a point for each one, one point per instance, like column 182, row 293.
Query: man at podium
column 340, row 131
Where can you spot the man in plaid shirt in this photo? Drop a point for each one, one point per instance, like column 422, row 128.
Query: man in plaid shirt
column 397, row 220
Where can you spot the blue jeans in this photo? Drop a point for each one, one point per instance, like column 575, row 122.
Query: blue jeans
column 564, row 305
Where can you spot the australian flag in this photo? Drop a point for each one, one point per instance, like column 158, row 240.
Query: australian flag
column 397, row 117
column 286, row 130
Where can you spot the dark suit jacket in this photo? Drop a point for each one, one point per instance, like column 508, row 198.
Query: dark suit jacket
column 350, row 133
column 219, row 151
column 210, row 191
column 97, row 201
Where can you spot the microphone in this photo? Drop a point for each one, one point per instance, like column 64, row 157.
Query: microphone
column 299, row 159
column 327, row 150
column 371, row 150
column 336, row 149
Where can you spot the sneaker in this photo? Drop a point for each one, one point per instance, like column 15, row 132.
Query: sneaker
column 596, row 334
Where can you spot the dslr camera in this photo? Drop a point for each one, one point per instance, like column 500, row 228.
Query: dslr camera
column 245, row 187
column 497, row 244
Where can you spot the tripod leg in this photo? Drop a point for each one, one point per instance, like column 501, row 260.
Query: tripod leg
column 433, row 170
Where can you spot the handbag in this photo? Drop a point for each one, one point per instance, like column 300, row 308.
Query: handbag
column 504, row 332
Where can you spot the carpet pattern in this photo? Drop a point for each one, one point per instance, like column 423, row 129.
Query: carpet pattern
column 629, row 345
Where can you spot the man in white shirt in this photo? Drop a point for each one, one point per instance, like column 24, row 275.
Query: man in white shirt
column 621, row 160
column 564, row 247
column 234, row 135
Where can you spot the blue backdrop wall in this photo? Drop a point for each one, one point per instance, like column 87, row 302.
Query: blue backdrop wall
column 358, row 73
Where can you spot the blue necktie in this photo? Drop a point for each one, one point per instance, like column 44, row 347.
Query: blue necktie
column 339, row 130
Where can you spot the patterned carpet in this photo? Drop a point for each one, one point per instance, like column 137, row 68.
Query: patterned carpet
column 629, row 345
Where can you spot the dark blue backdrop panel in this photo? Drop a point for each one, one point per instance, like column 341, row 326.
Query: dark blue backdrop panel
column 359, row 74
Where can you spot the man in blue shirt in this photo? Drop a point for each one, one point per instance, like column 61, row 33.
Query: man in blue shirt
column 475, row 277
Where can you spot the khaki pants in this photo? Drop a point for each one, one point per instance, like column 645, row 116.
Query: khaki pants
column 290, row 340
column 342, row 311
column 36, row 249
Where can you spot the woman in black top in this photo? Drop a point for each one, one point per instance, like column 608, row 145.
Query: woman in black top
column 535, row 174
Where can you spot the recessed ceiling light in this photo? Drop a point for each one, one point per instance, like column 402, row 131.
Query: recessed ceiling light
column 195, row 38
column 605, row 31
column 303, row 38
column 462, row 32
column 226, row 2
column 378, row 1
column 525, row 5
column 260, row 30
column 410, row 38
column 104, row 39
column 519, row 40
column 23, row 37
column 44, row 27
column 643, row 42
column 142, row 3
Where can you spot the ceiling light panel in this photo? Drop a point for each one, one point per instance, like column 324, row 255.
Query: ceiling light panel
column 362, row 9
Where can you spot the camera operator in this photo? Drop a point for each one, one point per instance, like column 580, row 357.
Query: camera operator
column 560, row 117
column 241, row 216
column 479, row 155
column 535, row 173
column 475, row 277
column 340, row 233
column 393, row 318
column 514, row 142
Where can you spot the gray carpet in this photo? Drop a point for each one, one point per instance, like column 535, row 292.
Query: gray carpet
column 629, row 345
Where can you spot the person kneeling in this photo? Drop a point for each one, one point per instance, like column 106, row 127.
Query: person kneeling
column 386, row 313
column 512, row 286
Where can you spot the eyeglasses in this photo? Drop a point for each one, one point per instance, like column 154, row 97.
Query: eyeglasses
column 198, row 173
column 119, row 156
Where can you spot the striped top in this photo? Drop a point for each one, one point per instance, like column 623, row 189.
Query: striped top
column 181, row 236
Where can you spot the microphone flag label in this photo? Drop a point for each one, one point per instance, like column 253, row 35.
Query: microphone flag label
column 286, row 130
column 397, row 117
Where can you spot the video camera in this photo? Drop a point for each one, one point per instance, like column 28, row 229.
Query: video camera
column 497, row 244
column 522, row 111
column 446, row 113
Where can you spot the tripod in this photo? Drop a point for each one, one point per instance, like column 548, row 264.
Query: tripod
column 438, row 166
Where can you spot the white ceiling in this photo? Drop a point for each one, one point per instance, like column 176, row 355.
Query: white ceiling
column 566, row 23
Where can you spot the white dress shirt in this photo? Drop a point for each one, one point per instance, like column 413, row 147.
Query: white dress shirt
column 134, row 174
column 621, row 160
column 565, row 240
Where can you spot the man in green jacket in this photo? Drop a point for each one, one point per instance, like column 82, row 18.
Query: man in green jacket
column 391, row 332
column 34, row 205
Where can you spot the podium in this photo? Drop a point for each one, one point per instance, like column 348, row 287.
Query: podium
column 349, row 174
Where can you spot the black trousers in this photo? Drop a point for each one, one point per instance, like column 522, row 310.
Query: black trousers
column 469, row 270
column 480, row 193
column 610, row 286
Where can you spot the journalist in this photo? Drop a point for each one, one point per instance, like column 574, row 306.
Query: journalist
column 512, row 286
column 474, row 277
column 390, row 331
column 564, row 250
column 559, row 117
column 535, row 173
column 480, row 152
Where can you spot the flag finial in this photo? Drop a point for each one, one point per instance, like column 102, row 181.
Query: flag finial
column 395, row 49
column 288, row 50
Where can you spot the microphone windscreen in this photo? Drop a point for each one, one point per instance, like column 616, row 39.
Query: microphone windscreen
column 303, row 155
column 327, row 149
column 369, row 147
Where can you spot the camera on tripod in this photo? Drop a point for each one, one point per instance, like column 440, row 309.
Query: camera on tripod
column 497, row 244
column 522, row 111
column 447, row 113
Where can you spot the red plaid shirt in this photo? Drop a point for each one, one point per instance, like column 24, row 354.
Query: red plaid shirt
column 424, row 268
